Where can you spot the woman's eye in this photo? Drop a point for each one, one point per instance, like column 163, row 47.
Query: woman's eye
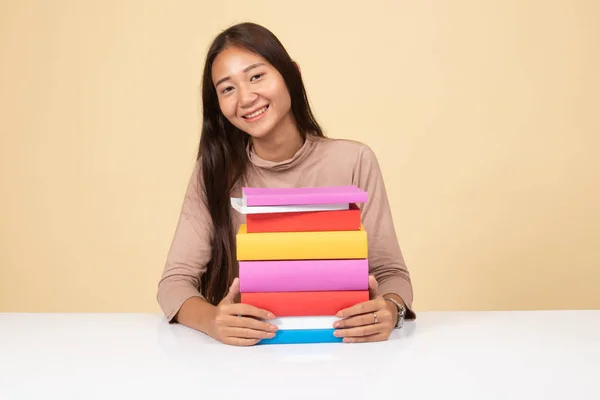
column 256, row 76
column 227, row 89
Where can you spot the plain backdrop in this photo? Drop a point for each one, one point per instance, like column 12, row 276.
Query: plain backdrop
column 483, row 115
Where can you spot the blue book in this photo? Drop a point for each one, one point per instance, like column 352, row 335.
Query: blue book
column 297, row 336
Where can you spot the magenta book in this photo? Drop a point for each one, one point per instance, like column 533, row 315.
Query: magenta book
column 303, row 196
column 303, row 275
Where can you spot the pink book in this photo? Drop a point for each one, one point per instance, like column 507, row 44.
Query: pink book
column 303, row 275
column 304, row 195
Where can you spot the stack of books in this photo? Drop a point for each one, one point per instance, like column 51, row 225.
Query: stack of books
column 303, row 256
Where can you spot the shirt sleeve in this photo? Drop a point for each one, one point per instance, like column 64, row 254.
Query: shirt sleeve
column 189, row 253
column 386, row 262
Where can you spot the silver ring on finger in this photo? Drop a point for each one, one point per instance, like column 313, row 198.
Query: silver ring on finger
column 374, row 318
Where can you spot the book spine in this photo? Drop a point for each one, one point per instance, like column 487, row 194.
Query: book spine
column 237, row 205
column 298, row 199
column 305, row 322
column 301, row 245
column 301, row 336
column 311, row 221
column 286, row 304
column 303, row 275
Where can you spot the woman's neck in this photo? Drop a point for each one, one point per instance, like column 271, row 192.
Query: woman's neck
column 280, row 145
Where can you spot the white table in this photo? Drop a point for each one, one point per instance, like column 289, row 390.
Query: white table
column 459, row 355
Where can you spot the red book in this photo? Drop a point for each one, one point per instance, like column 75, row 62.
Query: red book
column 285, row 304
column 305, row 221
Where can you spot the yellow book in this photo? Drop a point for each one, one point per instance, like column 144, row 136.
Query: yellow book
column 319, row 245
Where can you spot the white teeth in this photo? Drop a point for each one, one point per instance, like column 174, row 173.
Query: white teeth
column 254, row 114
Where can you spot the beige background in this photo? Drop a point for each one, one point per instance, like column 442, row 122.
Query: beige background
column 482, row 114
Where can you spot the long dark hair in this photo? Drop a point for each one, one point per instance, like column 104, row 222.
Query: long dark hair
column 222, row 150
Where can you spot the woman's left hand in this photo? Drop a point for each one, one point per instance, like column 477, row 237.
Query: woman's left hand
column 369, row 321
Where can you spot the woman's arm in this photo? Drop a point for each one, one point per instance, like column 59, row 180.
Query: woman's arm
column 187, row 259
column 386, row 261
column 178, row 290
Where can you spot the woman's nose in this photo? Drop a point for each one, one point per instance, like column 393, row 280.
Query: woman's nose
column 247, row 96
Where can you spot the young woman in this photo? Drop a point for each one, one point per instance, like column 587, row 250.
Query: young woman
column 258, row 130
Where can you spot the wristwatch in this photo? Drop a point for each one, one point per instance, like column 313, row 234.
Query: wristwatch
column 401, row 312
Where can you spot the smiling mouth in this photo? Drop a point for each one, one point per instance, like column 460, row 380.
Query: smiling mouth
column 256, row 113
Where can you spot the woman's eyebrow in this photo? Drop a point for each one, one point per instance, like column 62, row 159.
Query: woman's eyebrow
column 248, row 68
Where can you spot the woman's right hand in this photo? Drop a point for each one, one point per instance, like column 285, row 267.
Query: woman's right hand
column 238, row 324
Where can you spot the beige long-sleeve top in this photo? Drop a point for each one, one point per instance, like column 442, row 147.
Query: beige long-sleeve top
column 319, row 162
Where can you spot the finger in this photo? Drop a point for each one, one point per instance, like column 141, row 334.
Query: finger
column 246, row 333
column 364, row 330
column 247, row 310
column 361, row 308
column 378, row 337
column 233, row 291
column 364, row 319
column 373, row 287
column 245, row 322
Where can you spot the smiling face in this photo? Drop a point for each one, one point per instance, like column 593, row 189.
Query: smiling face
column 252, row 94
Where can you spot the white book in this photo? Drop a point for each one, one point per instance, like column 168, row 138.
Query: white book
column 302, row 322
column 237, row 204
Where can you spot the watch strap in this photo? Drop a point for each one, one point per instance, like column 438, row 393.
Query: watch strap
column 401, row 311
